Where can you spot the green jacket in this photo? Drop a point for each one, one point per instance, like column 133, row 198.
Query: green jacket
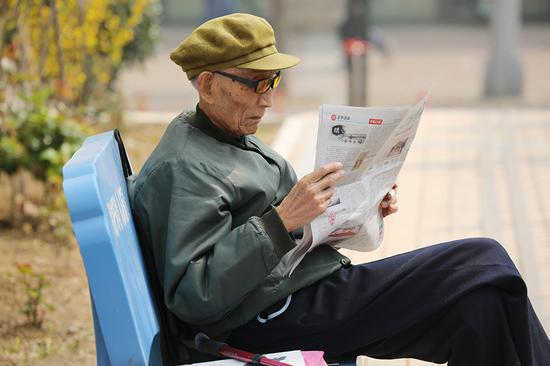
column 205, row 202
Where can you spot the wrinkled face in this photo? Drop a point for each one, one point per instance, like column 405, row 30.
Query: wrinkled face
column 236, row 108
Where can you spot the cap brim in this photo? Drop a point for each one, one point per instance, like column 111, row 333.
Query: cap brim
column 275, row 61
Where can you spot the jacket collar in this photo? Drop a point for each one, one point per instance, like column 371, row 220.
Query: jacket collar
column 203, row 123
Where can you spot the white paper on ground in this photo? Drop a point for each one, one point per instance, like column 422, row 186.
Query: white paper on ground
column 294, row 358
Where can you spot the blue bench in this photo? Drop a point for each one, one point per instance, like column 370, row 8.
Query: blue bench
column 126, row 322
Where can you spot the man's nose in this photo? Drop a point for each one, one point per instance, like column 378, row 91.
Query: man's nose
column 266, row 98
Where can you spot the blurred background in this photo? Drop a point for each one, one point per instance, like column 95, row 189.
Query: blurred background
column 480, row 165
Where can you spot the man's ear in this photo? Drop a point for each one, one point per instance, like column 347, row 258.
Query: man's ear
column 204, row 83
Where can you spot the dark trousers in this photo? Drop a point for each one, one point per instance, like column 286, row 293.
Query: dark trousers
column 461, row 302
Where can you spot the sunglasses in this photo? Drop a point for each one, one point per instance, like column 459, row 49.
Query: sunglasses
column 259, row 86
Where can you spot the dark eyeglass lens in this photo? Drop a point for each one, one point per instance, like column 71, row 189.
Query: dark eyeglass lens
column 264, row 85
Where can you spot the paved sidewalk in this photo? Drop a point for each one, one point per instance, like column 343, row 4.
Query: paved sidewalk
column 470, row 172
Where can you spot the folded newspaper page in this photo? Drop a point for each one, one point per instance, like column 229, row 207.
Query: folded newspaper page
column 294, row 358
column 372, row 144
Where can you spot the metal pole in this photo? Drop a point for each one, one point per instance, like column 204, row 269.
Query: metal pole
column 357, row 71
column 503, row 73
column 357, row 83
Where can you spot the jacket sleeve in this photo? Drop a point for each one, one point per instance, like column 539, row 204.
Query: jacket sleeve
column 206, row 264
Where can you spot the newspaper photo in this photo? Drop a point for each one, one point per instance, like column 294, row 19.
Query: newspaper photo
column 372, row 144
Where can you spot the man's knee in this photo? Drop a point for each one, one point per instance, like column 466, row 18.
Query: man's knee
column 488, row 248
column 485, row 243
column 496, row 263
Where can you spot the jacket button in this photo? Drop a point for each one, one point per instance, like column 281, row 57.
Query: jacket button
column 344, row 261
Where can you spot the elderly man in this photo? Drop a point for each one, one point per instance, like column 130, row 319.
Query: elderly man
column 218, row 210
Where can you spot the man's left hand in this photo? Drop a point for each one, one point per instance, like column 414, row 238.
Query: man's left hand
column 389, row 203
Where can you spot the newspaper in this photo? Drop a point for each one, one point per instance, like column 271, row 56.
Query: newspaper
column 294, row 358
column 372, row 144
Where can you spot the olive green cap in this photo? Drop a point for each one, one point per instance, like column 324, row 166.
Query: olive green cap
column 236, row 40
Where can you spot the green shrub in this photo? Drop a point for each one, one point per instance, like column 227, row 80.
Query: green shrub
column 32, row 285
column 39, row 138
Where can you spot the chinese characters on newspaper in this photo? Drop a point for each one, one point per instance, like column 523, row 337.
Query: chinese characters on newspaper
column 372, row 144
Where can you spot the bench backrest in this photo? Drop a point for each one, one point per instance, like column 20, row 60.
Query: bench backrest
column 125, row 317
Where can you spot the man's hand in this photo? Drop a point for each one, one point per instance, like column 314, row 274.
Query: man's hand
column 310, row 197
column 389, row 203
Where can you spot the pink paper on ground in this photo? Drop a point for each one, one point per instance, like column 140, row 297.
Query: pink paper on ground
column 314, row 358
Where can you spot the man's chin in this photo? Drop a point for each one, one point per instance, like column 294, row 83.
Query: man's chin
column 252, row 126
column 251, row 131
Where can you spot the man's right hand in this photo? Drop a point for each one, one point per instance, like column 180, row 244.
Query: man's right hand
column 310, row 197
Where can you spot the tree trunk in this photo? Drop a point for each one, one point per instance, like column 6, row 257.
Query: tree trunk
column 17, row 198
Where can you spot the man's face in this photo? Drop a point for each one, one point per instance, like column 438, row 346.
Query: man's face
column 237, row 108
